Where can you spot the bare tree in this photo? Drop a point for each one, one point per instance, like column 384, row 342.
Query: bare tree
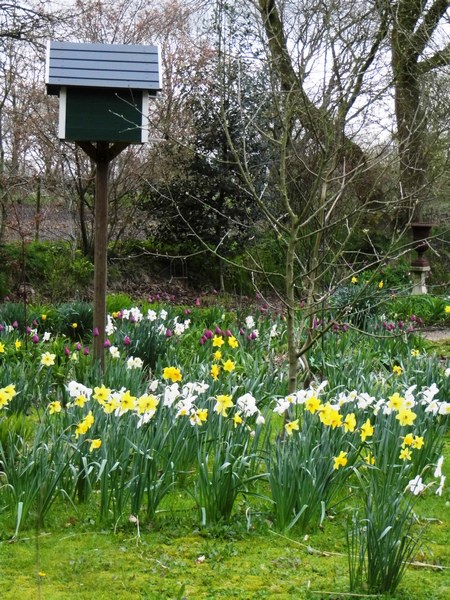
column 323, row 180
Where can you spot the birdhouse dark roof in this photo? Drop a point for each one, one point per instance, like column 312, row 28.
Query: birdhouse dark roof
column 114, row 66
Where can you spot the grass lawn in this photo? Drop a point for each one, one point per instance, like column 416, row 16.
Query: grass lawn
column 74, row 559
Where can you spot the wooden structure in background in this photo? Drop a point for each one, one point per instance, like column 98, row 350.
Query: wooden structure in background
column 104, row 92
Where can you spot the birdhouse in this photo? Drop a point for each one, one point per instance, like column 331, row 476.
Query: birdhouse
column 104, row 90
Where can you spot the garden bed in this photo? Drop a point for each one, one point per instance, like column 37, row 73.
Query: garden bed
column 186, row 469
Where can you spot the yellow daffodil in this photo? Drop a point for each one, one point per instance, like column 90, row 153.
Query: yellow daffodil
column 232, row 342
column 397, row 370
column 110, row 405
column 350, row 422
column 408, row 440
column 54, row 407
column 237, row 419
column 147, row 404
column 330, row 417
column 10, row 390
column 4, row 398
column 172, row 373
column 340, row 461
column 95, row 444
column 312, row 404
column 101, row 394
column 80, row 400
column 18, row 344
column 406, row 417
column 396, row 402
column 2, row 348
column 415, row 352
column 405, row 454
column 418, row 442
column 127, row 401
column 366, row 430
column 215, row 372
column 228, row 366
column 223, row 402
column 44, row 317
column 81, row 429
column 354, row 279
column 291, row 427
column 380, row 284
column 447, row 309
column 89, row 419
column 74, row 325
column 202, row 414
column 218, row 341
column 217, row 355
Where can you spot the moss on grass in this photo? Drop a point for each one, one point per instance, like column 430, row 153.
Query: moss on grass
column 80, row 562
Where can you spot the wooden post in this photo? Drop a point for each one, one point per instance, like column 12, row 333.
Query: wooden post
column 102, row 155
column 100, row 250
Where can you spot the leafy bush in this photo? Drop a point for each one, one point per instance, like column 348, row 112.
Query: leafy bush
column 430, row 309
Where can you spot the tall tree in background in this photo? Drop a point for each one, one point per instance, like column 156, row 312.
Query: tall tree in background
column 419, row 45
column 323, row 89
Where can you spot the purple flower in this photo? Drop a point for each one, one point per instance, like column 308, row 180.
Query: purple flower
column 67, row 351
column 126, row 341
column 35, row 339
column 1, row 327
column 344, row 327
column 202, row 340
column 219, row 331
column 95, row 332
column 187, row 311
column 228, row 333
column 107, row 343
column 412, row 318
column 169, row 333
column 241, row 331
column 197, row 302
column 28, row 329
column 78, row 346
column 86, row 351
column 35, row 323
column 253, row 335
column 400, row 324
column 15, row 324
column 208, row 334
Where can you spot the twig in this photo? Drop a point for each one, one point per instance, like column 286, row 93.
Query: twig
column 345, row 594
column 308, row 548
column 427, row 565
